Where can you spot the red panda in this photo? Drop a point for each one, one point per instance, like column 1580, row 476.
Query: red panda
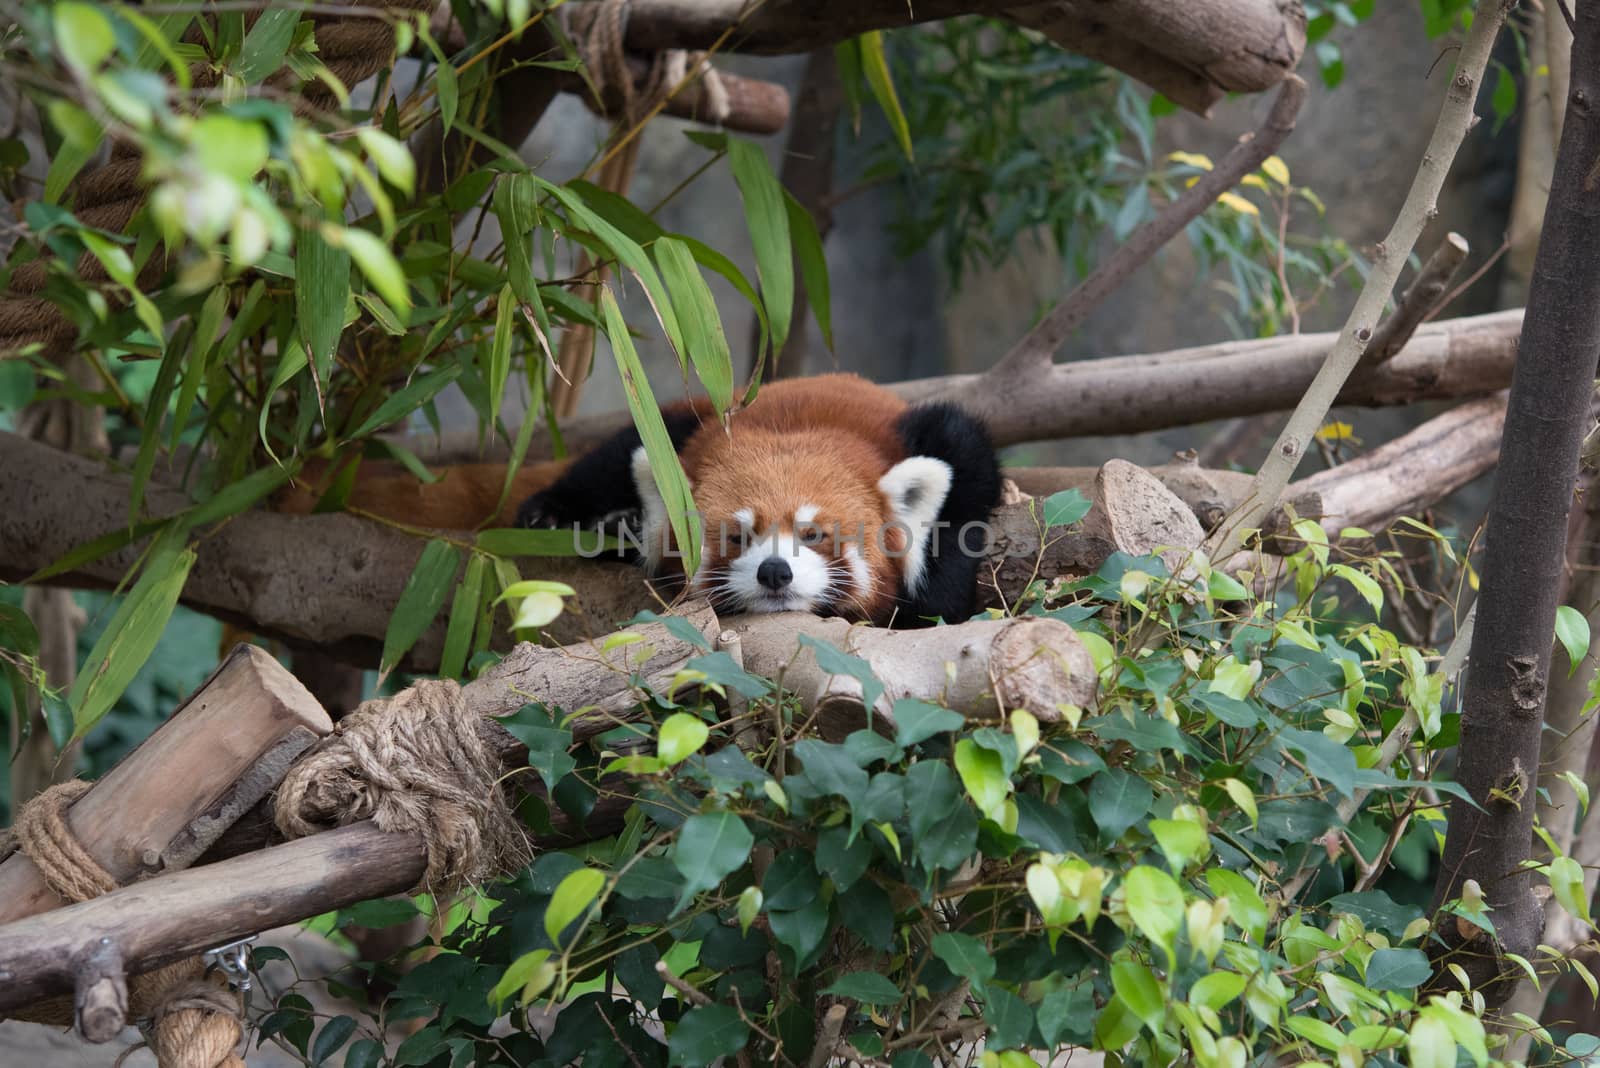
column 829, row 495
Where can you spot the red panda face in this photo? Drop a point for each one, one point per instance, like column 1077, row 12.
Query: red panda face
column 802, row 521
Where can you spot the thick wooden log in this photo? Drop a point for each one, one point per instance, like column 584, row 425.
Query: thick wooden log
column 162, row 920
column 221, row 752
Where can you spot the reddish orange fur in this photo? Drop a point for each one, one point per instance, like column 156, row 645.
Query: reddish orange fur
column 463, row 498
column 823, row 441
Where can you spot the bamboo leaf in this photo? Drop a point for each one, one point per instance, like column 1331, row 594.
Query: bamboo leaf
column 463, row 619
column 201, row 344
column 407, row 400
column 627, row 251
column 702, row 326
column 499, row 369
column 155, row 410
column 508, row 541
column 875, row 65
column 94, row 549
column 516, row 207
column 420, row 601
column 321, row 291
column 239, row 496
column 768, row 222
column 813, row 265
column 266, row 44
column 379, row 267
column 664, row 465
column 131, row 636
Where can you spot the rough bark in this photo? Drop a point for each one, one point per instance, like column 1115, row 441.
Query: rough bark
column 1193, row 52
column 1445, row 360
column 1547, row 417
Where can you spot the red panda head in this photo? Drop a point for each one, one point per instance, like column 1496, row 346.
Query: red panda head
column 804, row 521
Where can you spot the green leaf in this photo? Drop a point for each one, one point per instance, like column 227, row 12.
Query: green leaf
column 321, row 291
column 710, row 847
column 133, row 632
column 96, row 548
column 379, row 267
column 1398, row 969
column 1155, row 903
column 516, row 208
column 767, row 218
column 837, row 662
column 505, row 331
column 390, row 156
column 547, row 742
column 965, row 956
column 681, row 736
column 801, row 931
column 1141, row 991
column 81, row 137
column 813, row 265
column 449, row 91
column 83, row 35
column 876, row 67
column 231, row 147
column 665, row 467
column 367, row 1053
column 239, row 496
column 420, row 601
column 572, row 899
column 916, row 721
column 1117, row 800
column 983, row 774
column 628, row 253
column 869, row 988
column 529, row 974
column 1572, row 630
column 1317, row 1031
column 697, row 315
column 150, row 437
column 1566, row 882
column 335, row 1033
column 508, row 541
column 407, row 400
column 464, row 609
column 706, row 1033
column 1065, row 508
column 266, row 44
column 791, row 881
column 750, row 900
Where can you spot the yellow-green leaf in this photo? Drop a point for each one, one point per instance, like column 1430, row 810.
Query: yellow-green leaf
column 681, row 736
column 875, row 64
column 573, row 898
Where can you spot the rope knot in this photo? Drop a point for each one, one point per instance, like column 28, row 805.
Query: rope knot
column 412, row 763
column 600, row 30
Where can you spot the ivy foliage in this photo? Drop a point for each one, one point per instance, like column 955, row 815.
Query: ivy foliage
column 1174, row 874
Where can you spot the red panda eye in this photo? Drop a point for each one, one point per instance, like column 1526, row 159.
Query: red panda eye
column 812, row 536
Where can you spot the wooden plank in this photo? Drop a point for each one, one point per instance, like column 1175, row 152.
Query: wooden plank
column 222, row 751
column 162, row 920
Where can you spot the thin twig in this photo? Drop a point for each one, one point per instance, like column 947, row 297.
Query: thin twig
column 1426, row 294
column 1039, row 344
column 690, row 994
column 1455, row 119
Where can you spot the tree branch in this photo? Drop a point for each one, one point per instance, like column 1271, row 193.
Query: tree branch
column 1193, row 52
column 1425, row 295
column 1038, row 346
column 1455, row 119
column 1445, row 360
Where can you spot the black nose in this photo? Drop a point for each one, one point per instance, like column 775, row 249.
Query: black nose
column 774, row 574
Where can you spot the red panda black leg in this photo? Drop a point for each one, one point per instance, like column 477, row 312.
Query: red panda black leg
column 946, row 584
column 598, row 490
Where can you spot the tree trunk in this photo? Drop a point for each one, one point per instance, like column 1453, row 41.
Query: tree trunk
column 1546, row 419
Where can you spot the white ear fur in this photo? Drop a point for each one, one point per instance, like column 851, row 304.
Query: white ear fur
column 653, row 517
column 916, row 489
